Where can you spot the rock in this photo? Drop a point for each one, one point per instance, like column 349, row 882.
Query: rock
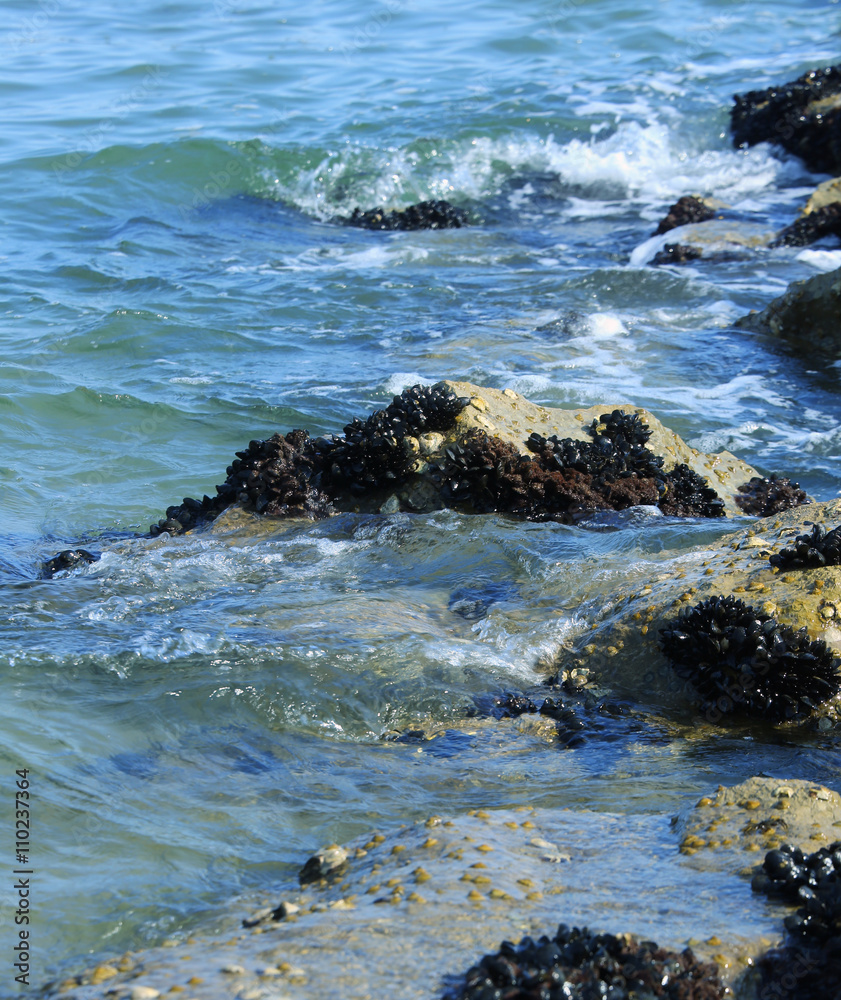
column 676, row 253
column 479, row 450
column 825, row 194
column 438, row 893
column 804, row 117
column 739, row 824
column 327, row 864
column 736, row 567
column 688, row 209
column 808, row 312
column 811, row 227
column 66, row 561
column 438, row 214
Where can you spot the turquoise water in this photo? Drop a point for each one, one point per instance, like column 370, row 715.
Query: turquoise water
column 201, row 713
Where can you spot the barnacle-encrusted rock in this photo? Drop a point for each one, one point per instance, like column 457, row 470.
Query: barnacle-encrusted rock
column 817, row 548
column 762, row 497
column 438, row 214
column 619, row 647
column 807, row 312
column 454, row 444
column 67, row 560
column 577, row 964
column 685, row 210
column 810, row 228
column 676, row 253
column 741, row 659
column 803, row 116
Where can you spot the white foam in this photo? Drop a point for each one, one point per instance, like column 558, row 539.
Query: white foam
column 823, row 260
column 647, row 162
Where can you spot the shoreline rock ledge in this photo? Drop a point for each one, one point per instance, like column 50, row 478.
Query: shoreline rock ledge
column 483, row 450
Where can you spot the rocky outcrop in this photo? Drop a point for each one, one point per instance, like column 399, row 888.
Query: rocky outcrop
column 476, row 450
column 438, row 214
column 804, row 117
column 689, row 208
column 808, row 313
column 747, row 627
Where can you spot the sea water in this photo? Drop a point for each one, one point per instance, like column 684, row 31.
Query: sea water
column 199, row 714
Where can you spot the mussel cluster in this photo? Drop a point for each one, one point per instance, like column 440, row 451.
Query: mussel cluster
column 810, row 966
column 764, row 496
column 676, row 253
column 789, row 115
column 578, row 965
column 569, row 725
column 689, row 495
column 814, row 882
column 797, row 973
column 809, row 228
column 294, row 475
column 437, row 214
column 565, row 478
column 741, row 659
column 819, row 548
column 685, row 210
column 372, row 453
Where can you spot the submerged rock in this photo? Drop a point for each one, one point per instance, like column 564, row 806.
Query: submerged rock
column 676, row 253
column 67, row 560
column 808, row 312
column 687, row 209
column 803, row 116
column 425, row 899
column 437, row 214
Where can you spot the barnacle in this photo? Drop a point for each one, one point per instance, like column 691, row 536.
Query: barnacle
column 742, row 659
column 818, row 548
column 763, row 497
column 577, row 964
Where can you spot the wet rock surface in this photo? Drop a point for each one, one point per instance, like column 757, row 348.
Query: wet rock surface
column 66, row 561
column 803, row 116
column 738, row 567
column 417, row 906
column 437, row 214
column 689, row 208
column 806, row 313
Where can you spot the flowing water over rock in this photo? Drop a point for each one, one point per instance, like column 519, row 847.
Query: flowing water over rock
column 200, row 714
